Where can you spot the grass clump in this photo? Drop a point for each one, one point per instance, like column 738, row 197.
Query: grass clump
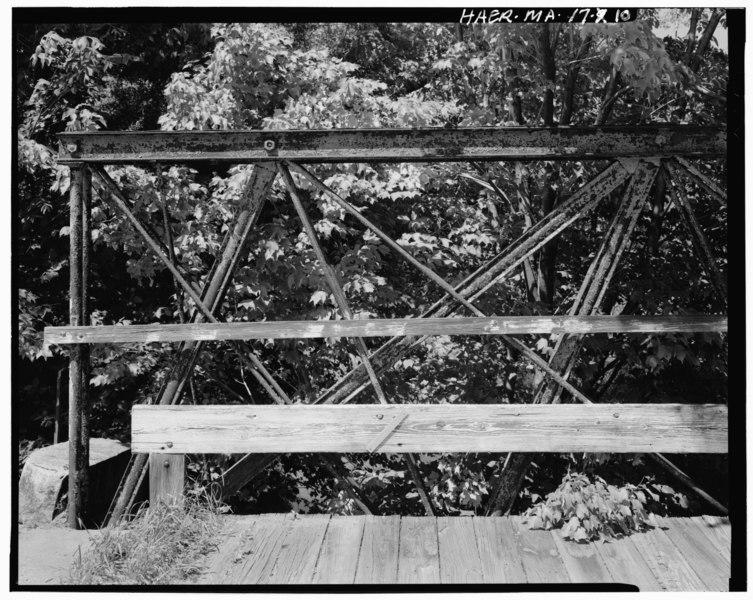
column 161, row 545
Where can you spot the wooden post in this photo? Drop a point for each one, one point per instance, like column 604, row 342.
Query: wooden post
column 78, row 419
column 166, row 477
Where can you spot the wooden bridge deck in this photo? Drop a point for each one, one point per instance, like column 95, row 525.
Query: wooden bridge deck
column 684, row 554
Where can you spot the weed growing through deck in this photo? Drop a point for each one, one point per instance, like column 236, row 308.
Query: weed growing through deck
column 163, row 545
column 587, row 510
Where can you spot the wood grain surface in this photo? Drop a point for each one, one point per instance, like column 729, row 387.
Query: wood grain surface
column 278, row 330
column 237, row 429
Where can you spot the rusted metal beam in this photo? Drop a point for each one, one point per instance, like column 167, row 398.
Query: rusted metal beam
column 258, row 369
column 491, row 273
column 706, row 256
column 78, row 462
column 335, row 466
column 322, row 187
column 392, row 145
column 566, row 349
column 447, row 287
column 685, row 479
column 700, row 179
column 331, row 277
column 600, row 273
column 354, row 382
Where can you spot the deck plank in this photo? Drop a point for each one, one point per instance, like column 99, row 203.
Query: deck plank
column 627, row 565
column 713, row 535
column 688, row 555
column 542, row 562
column 666, row 561
column 582, row 562
column 700, row 554
column 418, row 552
column 498, row 549
column 377, row 561
column 220, row 563
column 720, row 525
column 298, row 554
column 338, row 557
column 260, row 549
column 459, row 560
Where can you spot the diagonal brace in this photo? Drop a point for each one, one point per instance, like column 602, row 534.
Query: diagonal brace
column 342, row 303
column 703, row 249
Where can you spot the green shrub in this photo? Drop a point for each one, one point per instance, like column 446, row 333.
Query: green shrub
column 587, row 510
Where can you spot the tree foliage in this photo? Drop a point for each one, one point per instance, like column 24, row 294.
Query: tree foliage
column 451, row 217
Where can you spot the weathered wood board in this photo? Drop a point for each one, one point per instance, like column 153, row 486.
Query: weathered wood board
column 340, row 550
column 377, row 561
column 278, row 330
column 541, row 560
column 431, row 428
column 459, row 559
column 296, row 558
column 418, row 554
column 166, row 478
column 289, row 549
column 498, row 549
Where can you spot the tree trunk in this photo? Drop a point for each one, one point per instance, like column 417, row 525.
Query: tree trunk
column 517, row 107
column 550, row 73
column 703, row 44
column 548, row 256
column 690, row 44
column 568, row 98
column 610, row 95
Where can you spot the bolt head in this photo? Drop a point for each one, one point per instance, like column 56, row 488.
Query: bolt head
column 72, row 147
column 269, row 145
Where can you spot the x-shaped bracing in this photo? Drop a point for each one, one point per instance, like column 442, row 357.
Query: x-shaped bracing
column 209, row 299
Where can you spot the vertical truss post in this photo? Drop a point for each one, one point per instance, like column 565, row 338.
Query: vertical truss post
column 78, row 417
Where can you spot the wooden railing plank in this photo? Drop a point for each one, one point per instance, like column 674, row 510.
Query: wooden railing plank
column 233, row 429
column 507, row 325
column 392, row 145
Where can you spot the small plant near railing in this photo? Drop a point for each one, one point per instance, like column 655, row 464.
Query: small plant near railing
column 587, row 509
column 161, row 545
